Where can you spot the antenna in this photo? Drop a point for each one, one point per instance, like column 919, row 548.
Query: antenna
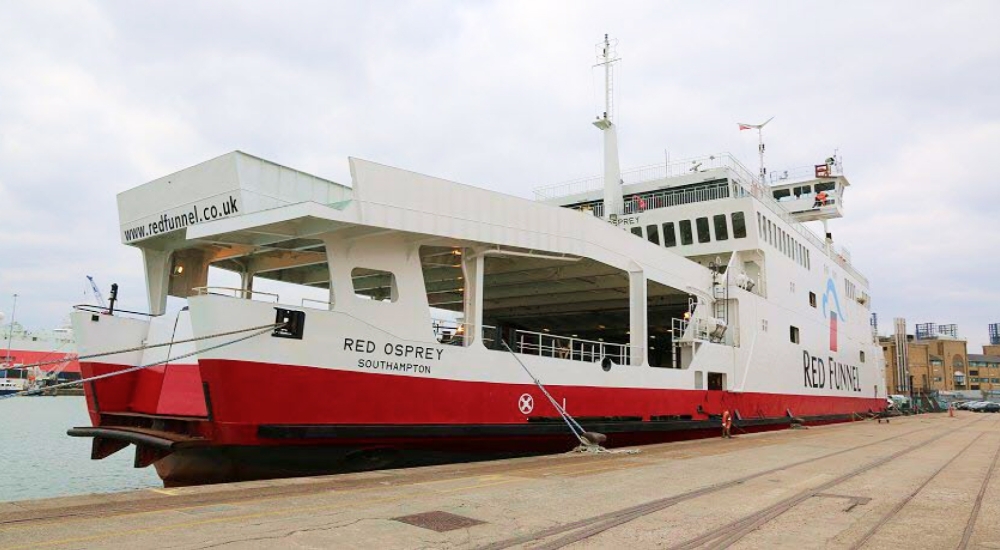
column 760, row 143
column 607, row 56
column 613, row 207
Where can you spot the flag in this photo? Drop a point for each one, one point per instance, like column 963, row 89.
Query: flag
column 744, row 126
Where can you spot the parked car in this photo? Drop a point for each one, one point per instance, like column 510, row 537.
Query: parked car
column 991, row 407
column 977, row 406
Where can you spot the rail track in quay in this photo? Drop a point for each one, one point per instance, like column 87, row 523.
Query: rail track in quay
column 861, row 485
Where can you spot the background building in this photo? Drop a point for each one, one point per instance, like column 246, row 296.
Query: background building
column 937, row 359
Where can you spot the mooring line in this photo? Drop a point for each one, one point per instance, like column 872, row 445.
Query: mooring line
column 145, row 347
column 266, row 329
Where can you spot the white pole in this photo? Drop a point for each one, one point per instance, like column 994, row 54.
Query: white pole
column 760, row 149
column 607, row 78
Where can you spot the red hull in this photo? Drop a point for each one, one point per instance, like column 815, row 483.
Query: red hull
column 26, row 357
column 245, row 420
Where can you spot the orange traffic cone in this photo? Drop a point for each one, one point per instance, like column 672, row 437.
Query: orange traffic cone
column 951, row 410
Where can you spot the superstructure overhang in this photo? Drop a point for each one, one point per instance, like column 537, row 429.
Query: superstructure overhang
column 288, row 242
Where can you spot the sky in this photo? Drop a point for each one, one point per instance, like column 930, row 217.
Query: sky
column 99, row 97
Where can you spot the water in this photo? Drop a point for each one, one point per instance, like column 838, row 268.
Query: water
column 38, row 459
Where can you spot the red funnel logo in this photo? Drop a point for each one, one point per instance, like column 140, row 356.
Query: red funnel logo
column 833, row 331
column 831, row 307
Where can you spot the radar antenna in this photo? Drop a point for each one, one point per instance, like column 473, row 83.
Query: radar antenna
column 760, row 143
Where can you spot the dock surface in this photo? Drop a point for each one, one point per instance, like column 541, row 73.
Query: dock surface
column 926, row 481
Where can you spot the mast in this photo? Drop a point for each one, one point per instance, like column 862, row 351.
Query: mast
column 612, row 172
column 760, row 145
column 10, row 329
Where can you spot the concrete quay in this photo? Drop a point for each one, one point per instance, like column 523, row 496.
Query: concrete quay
column 926, row 481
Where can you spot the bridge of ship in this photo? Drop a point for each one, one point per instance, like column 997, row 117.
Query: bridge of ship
column 790, row 194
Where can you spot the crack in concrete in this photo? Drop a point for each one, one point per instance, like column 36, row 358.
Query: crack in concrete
column 327, row 527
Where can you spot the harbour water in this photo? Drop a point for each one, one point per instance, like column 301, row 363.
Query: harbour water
column 38, row 459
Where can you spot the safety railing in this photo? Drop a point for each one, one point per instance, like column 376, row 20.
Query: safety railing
column 243, row 293
column 456, row 333
column 326, row 304
column 645, row 173
column 104, row 310
column 805, row 173
column 544, row 344
column 679, row 329
column 743, row 183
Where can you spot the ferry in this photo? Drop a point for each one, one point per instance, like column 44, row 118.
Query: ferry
column 55, row 348
column 646, row 303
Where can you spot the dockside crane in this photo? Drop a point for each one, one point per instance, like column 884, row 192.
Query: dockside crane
column 97, row 292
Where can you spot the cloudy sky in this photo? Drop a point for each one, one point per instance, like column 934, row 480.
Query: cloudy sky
column 98, row 97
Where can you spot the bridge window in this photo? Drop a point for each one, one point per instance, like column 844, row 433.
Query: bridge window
column 687, row 237
column 739, row 225
column 782, row 194
column 721, row 231
column 825, row 186
column 669, row 236
column 637, row 231
column 703, row 235
column 653, row 234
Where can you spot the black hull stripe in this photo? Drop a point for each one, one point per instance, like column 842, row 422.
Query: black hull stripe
column 537, row 428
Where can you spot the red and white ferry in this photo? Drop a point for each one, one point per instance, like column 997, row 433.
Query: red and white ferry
column 54, row 348
column 647, row 302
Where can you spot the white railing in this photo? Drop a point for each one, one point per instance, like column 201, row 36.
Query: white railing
column 744, row 184
column 456, row 333
column 243, row 293
column 802, row 173
column 679, row 328
column 326, row 304
column 566, row 347
column 644, row 174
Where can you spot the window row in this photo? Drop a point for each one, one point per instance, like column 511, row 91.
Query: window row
column 807, row 190
column 774, row 235
column 684, row 233
column 850, row 289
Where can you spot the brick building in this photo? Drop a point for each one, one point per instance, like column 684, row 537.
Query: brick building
column 938, row 363
column 938, row 360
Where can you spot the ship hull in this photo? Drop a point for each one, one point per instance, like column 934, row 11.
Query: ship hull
column 314, row 421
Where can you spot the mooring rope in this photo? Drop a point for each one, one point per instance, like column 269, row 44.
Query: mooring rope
column 145, row 347
column 573, row 425
column 586, row 445
column 263, row 329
